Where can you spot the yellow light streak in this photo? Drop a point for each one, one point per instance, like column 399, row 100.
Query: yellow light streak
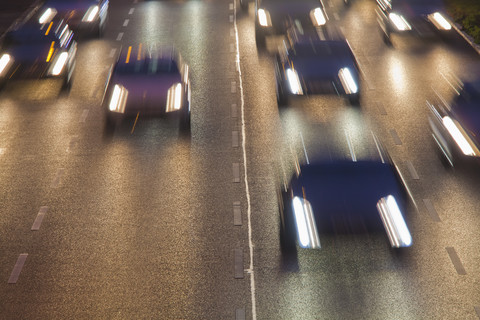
column 128, row 54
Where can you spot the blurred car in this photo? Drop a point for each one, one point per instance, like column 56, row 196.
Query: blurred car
column 32, row 51
column 311, row 67
column 420, row 17
column 85, row 17
column 360, row 193
column 456, row 125
column 274, row 17
column 148, row 81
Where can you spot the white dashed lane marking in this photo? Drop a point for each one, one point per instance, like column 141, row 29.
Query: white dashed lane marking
column 38, row 220
column 131, row 11
column 84, row 115
column 431, row 210
column 125, row 23
column 236, row 172
column 120, row 36
column 238, row 260
column 456, row 261
column 58, row 178
column 412, row 170
column 17, row 268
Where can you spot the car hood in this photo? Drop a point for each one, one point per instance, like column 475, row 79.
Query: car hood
column 285, row 8
column 347, row 188
column 146, row 92
column 29, row 53
column 468, row 114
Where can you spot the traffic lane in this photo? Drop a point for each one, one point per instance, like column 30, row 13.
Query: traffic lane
column 212, row 153
column 417, row 70
column 438, row 254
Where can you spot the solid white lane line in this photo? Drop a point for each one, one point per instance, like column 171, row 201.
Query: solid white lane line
column 120, row 36
column 235, row 139
column 412, row 170
column 238, row 263
column 236, row 172
column 247, row 187
column 125, row 23
column 58, row 177
column 131, row 11
column 237, row 214
column 39, row 218
column 84, row 115
column 431, row 210
column 17, row 268
column 456, row 261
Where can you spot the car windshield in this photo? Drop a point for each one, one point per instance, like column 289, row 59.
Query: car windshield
column 148, row 66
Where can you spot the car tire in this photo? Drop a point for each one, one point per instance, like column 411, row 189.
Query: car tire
column 260, row 39
column 282, row 97
column 287, row 232
column 185, row 122
column 354, row 99
column 244, row 5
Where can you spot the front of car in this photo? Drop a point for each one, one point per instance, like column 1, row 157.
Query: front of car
column 85, row 17
column 420, row 17
column 319, row 67
column 274, row 17
column 361, row 192
column 151, row 84
column 32, row 52
column 456, row 126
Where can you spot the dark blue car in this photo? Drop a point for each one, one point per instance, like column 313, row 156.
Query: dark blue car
column 148, row 81
column 420, row 17
column 317, row 67
column 364, row 188
column 33, row 51
column 456, row 125
column 85, row 17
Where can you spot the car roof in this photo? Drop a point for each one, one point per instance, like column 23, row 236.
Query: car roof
column 34, row 32
column 324, row 48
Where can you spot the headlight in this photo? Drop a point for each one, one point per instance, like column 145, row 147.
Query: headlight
column 174, row 97
column 305, row 222
column 47, row 15
column 399, row 21
column 59, row 64
column 4, row 60
column 91, row 14
column 264, row 18
column 294, row 82
column 460, row 136
column 347, row 81
column 395, row 226
column 118, row 99
column 439, row 21
column 318, row 17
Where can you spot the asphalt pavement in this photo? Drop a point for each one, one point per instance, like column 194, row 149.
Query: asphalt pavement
column 147, row 223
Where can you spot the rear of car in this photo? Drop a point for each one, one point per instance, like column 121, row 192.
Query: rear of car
column 148, row 83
